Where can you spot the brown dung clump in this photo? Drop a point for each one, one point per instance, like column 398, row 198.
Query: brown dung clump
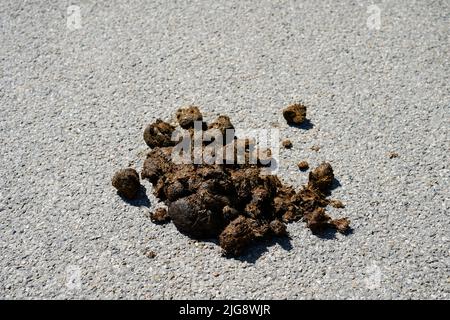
column 160, row 215
column 303, row 165
column 392, row 155
column 234, row 202
column 126, row 181
column 295, row 114
column 187, row 116
column 322, row 177
column 337, row 204
column 159, row 134
column 287, row 144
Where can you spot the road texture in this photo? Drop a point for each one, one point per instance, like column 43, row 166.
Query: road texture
column 79, row 84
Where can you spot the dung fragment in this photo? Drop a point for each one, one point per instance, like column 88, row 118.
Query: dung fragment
column 157, row 164
column 198, row 215
column 337, row 204
column 295, row 114
column 159, row 134
column 322, row 177
column 278, row 228
column 225, row 127
column 238, row 235
column 303, row 165
column 317, row 220
column 342, row 224
column 160, row 215
column 393, row 155
column 187, row 116
column 126, row 181
column 149, row 253
column 287, row 144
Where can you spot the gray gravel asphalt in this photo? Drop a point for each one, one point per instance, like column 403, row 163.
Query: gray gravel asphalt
column 75, row 99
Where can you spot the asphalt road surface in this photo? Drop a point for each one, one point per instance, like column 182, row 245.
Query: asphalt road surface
column 79, row 83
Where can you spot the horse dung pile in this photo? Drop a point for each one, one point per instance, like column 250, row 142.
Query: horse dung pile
column 236, row 202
